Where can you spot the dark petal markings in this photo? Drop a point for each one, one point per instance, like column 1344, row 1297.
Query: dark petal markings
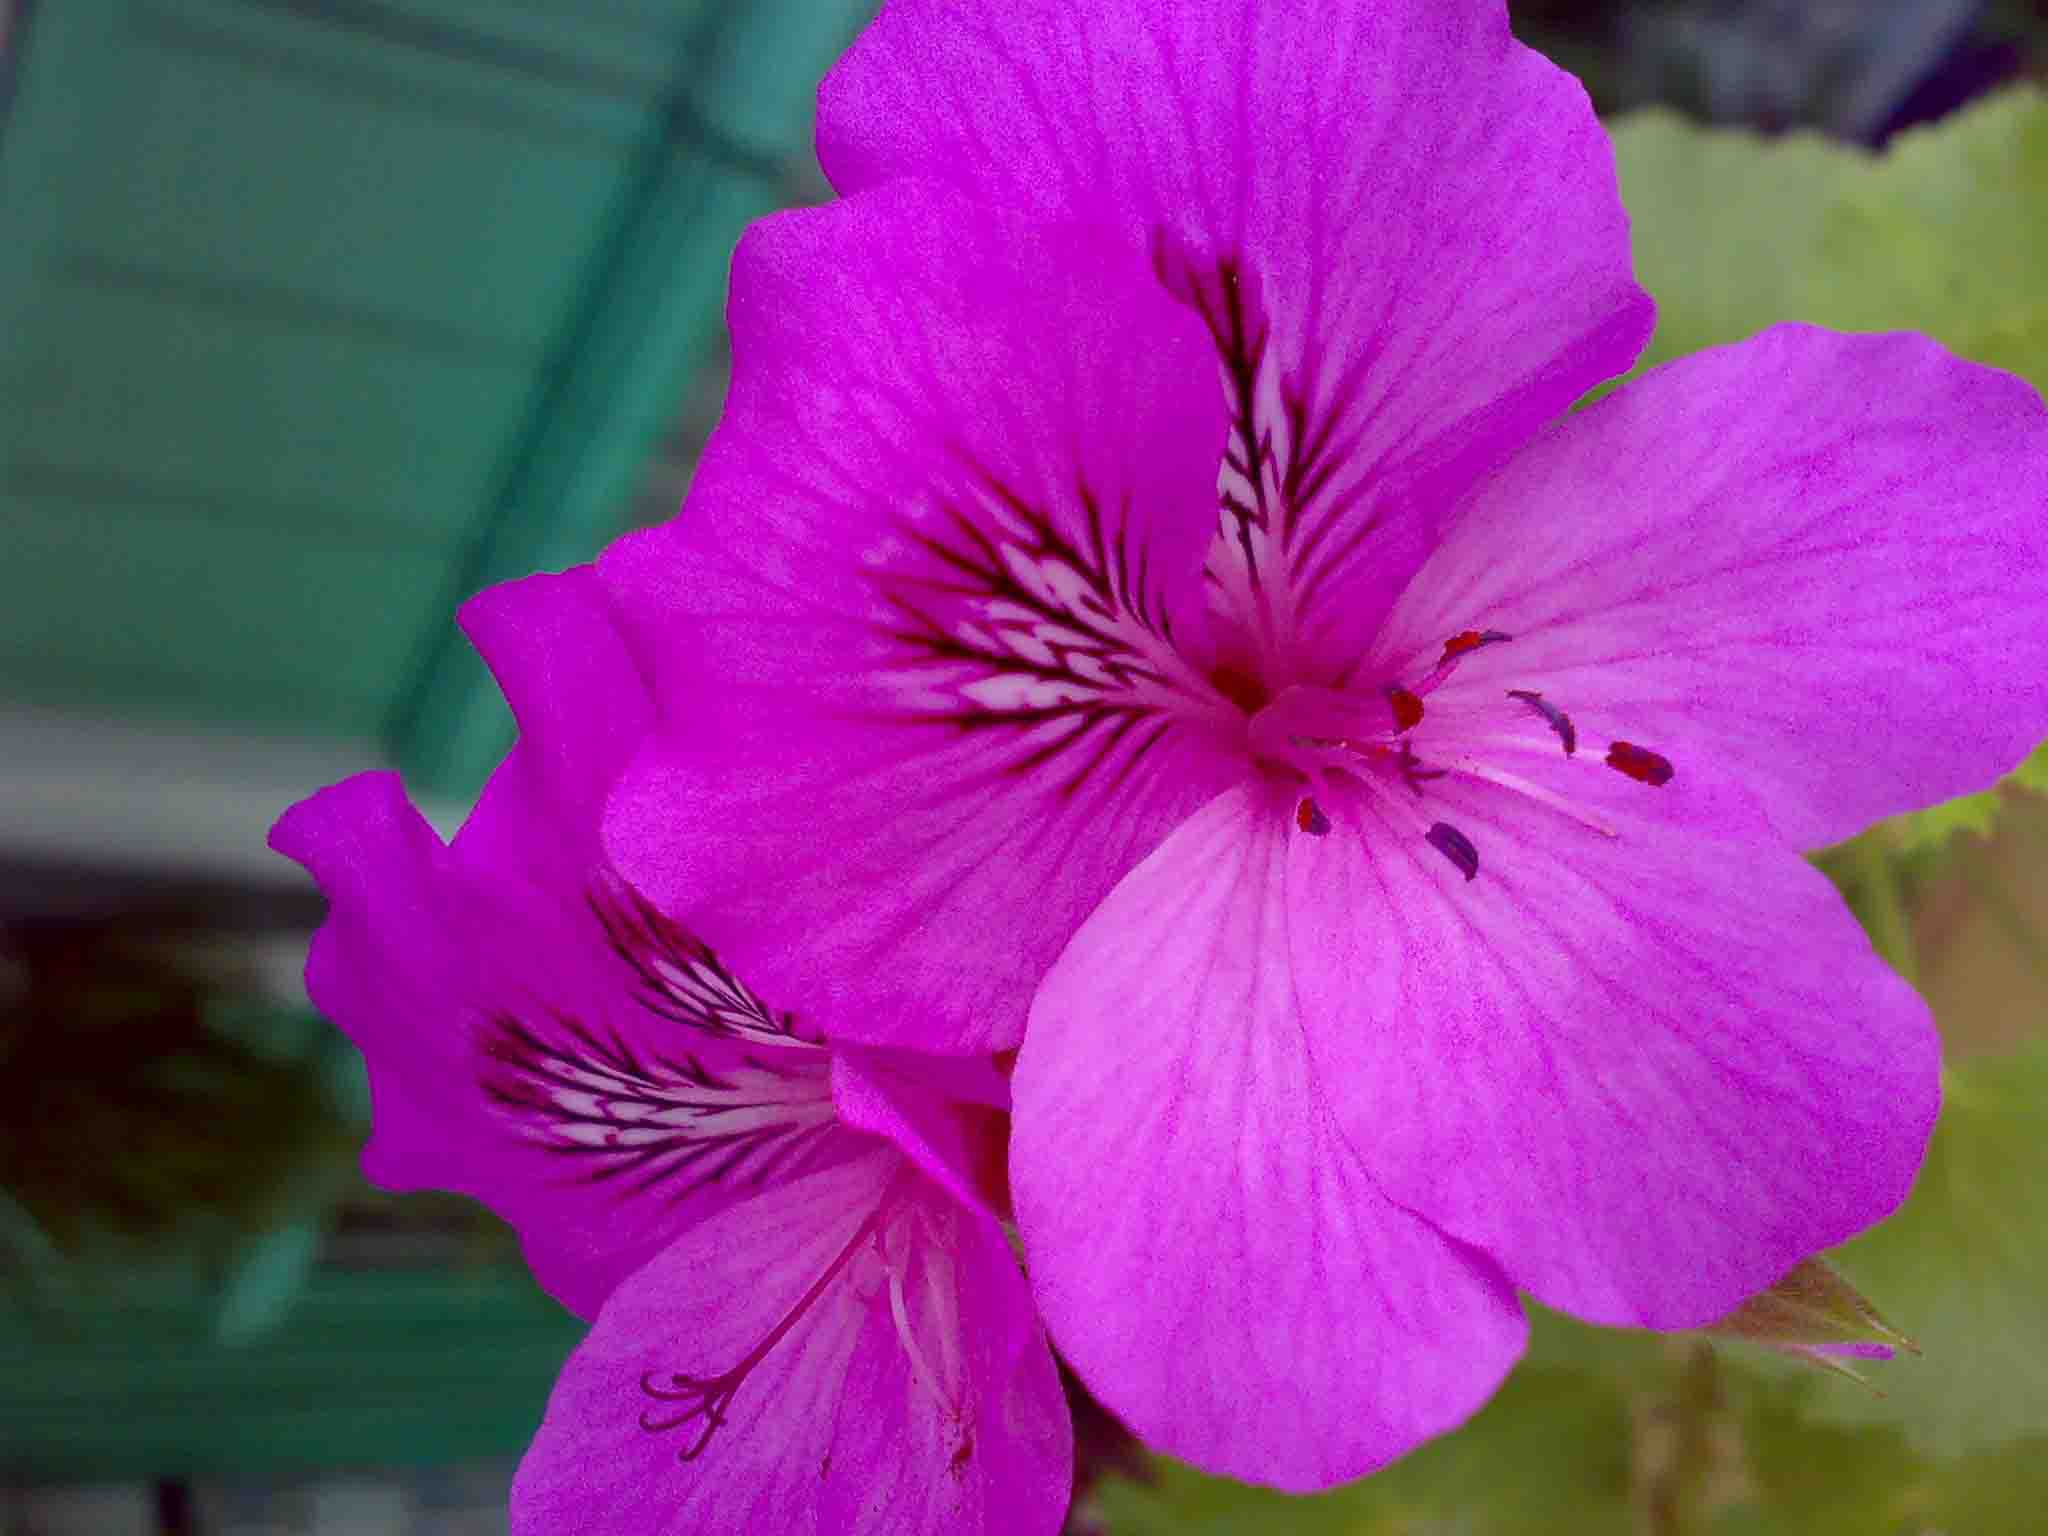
column 616, row 1115
column 678, row 979
column 1069, row 663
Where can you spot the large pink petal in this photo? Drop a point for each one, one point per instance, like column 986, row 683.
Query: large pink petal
column 832, row 1429
column 919, row 633
column 1207, row 1251
column 1645, row 1059
column 1429, row 253
column 1816, row 562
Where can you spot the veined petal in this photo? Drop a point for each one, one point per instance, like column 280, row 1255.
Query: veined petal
column 947, row 1114
column 1815, row 561
column 988, row 1443
column 928, row 635
column 535, row 1036
column 1208, row 1253
column 756, row 1377
column 1402, row 227
column 1645, row 1059
column 582, row 710
column 392, row 968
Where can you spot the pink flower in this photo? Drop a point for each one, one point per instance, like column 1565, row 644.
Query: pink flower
column 1394, row 884
column 808, row 1317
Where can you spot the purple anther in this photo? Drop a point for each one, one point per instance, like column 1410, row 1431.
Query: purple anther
column 1455, row 846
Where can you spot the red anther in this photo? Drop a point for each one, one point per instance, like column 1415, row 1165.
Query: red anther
column 1470, row 640
column 1407, row 708
column 1640, row 763
column 1310, row 818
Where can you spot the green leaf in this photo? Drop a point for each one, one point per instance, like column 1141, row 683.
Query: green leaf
column 2032, row 773
column 1961, row 1268
column 1734, row 232
column 1550, row 1453
column 1928, row 830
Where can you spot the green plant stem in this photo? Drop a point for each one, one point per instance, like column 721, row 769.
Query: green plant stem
column 1677, row 1475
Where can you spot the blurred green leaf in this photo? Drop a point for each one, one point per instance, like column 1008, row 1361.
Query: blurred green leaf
column 1807, row 1476
column 1928, row 830
column 1734, row 232
column 1550, row 1453
column 1963, row 1267
column 2032, row 773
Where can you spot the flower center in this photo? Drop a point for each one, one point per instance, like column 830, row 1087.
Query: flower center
column 1319, row 734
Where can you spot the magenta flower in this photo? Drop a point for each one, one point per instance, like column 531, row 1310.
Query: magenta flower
column 808, row 1317
column 1400, row 874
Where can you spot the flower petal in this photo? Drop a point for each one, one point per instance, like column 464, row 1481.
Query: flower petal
column 1208, row 1253
column 920, row 635
column 386, row 967
column 947, row 1114
column 1818, row 561
column 1645, row 1059
column 1403, row 227
column 829, row 1428
column 582, row 711
column 1006, row 1465
column 534, row 1038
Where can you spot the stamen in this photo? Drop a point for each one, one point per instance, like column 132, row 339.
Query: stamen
column 709, row 1398
column 1310, row 818
column 1407, row 708
column 1536, row 792
column 1470, row 640
column 899, row 1311
column 1455, row 846
column 1558, row 720
column 941, row 1379
column 1413, row 774
column 1640, row 763
column 1456, row 649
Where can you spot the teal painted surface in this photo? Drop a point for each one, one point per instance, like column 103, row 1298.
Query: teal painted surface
column 367, row 1368
column 272, row 345
column 316, row 318
column 650, row 316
